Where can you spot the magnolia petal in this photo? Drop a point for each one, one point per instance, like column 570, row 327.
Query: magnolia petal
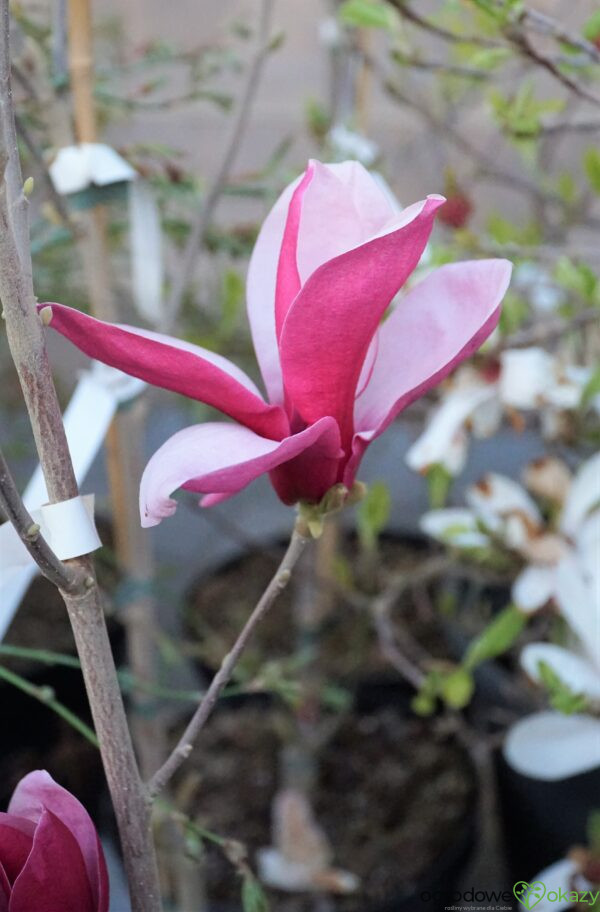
column 583, row 496
column 454, row 526
column 436, row 442
column 551, row 746
column 220, row 459
column 38, row 792
column 578, row 599
column 495, row 497
column 171, row 364
column 439, row 323
column 533, row 587
column 526, row 374
column 54, row 876
column 16, row 839
column 558, row 878
column 577, row 673
column 331, row 323
column 5, row 890
column 344, row 206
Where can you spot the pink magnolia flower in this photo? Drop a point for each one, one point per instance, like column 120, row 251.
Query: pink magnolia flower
column 50, row 855
column 330, row 257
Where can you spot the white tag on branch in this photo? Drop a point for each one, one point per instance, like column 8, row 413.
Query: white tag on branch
column 69, row 527
column 88, row 164
column 87, row 418
column 145, row 239
column 77, row 168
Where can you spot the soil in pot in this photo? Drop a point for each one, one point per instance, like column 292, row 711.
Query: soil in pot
column 394, row 796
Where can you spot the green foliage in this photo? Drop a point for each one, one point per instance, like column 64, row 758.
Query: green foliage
column 368, row 14
column 439, row 481
column 318, row 119
column 579, row 278
column 373, row 514
column 503, row 231
column 253, row 896
column 520, row 114
column 562, row 698
column 453, row 685
column 497, row 637
column 591, row 388
column 591, row 29
column 515, row 311
column 457, row 688
column 593, row 831
column 591, row 165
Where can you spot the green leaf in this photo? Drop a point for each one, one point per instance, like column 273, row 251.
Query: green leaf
column 591, row 388
column 439, row 481
column 562, row 697
column 591, row 29
column 591, row 165
column 368, row 14
column 373, row 514
column 496, row 638
column 457, row 688
column 577, row 277
column 489, row 58
column 593, row 831
column 253, row 897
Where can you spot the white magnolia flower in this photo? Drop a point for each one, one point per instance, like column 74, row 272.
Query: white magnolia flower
column 501, row 510
column 528, row 379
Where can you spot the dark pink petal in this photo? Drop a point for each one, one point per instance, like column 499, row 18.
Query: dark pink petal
column 341, row 207
column 5, row 890
column 439, row 323
column 219, row 459
column 16, row 839
column 331, row 323
column 38, row 792
column 54, row 878
column 288, row 277
column 168, row 363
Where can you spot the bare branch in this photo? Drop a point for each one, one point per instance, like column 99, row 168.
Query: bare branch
column 185, row 744
column 184, row 272
column 546, row 331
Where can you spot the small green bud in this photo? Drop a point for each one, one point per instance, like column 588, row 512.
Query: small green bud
column 457, row 688
column 28, row 186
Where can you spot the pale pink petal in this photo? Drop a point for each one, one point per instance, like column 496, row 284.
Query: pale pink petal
column 577, row 673
column 551, row 746
column 331, row 323
column 260, row 293
column 437, row 325
column 533, row 587
column 173, row 365
column 219, row 459
column 37, row 792
column 343, row 207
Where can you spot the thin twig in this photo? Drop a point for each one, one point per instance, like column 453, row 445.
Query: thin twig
column 185, row 744
column 62, row 575
column 26, row 341
column 204, row 215
column 522, row 42
column 546, row 331
column 546, row 25
column 452, row 37
column 57, row 200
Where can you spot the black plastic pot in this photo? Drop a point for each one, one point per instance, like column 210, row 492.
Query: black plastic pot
column 543, row 820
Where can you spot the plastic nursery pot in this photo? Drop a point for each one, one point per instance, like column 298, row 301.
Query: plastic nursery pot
column 543, row 820
column 394, row 796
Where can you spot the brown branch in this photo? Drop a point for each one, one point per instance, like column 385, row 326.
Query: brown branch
column 546, row 25
column 26, row 341
column 185, row 744
column 452, row 37
column 522, row 42
column 204, row 215
column 62, row 575
column 546, row 331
